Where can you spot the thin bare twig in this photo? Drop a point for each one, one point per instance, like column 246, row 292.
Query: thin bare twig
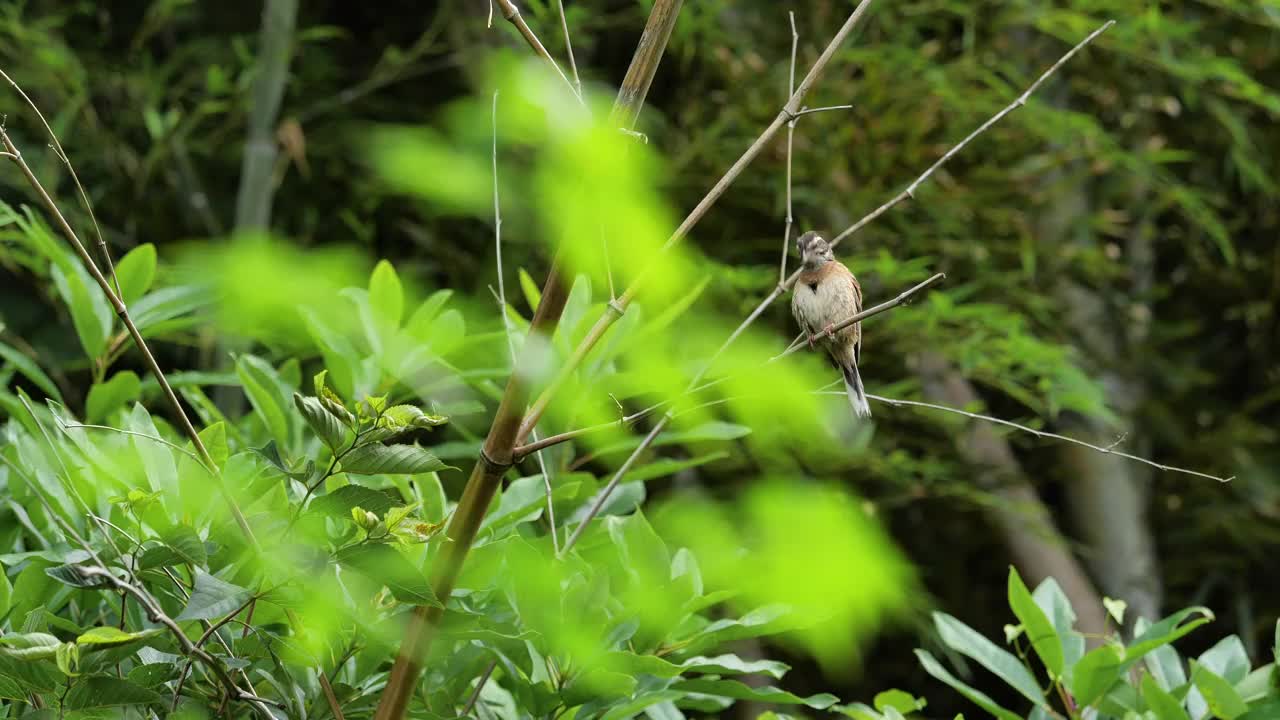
column 791, row 134
column 152, row 438
column 475, row 696
column 910, row 192
column 828, row 108
column 603, row 496
column 118, row 306
column 568, row 46
column 1046, row 434
column 513, row 16
column 84, row 196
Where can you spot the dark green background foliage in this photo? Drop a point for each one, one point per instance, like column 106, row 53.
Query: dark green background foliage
column 1113, row 274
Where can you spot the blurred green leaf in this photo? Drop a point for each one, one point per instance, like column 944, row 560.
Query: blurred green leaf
column 1164, row 705
column 212, row 598
column 124, row 387
column 30, row 370
column 1096, row 673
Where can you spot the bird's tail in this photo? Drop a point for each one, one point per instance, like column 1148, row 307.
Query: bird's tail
column 853, row 385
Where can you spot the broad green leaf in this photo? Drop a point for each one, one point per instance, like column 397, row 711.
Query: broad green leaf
column 1257, row 684
column 903, row 702
column 90, row 313
column 30, row 370
column 1057, row 607
column 669, row 466
column 6, row 593
column 124, row 387
column 740, row 691
column 967, row 641
column 157, row 458
column 1160, row 702
column 420, row 321
column 327, row 427
column 1165, row 632
column 102, row 638
column 340, row 502
column 1115, row 608
column 1223, row 700
column 152, row 674
column 212, row 599
column 181, row 546
column 532, row 294
column 100, row 691
column 1038, row 628
column 734, row 665
column 136, row 271
column 214, row 439
column 377, row 459
column 29, row 646
column 977, row 697
column 170, row 309
column 386, row 295
column 1096, row 672
column 643, row 552
column 78, row 576
column 384, row 564
column 256, row 376
column 768, row 620
column 1227, row 658
column 11, row 689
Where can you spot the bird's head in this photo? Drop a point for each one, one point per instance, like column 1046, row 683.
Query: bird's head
column 814, row 249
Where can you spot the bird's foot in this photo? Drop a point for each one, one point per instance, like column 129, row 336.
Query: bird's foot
column 827, row 331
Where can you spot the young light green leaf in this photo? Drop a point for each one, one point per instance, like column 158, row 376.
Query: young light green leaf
column 29, row 646
column 1043, row 637
column 136, row 271
column 6, row 593
column 103, row 638
column 386, row 295
column 377, row 459
column 1115, row 608
column 214, row 439
column 532, row 294
column 124, row 387
column 213, row 598
column 977, row 697
column 1005, row 665
column 903, row 702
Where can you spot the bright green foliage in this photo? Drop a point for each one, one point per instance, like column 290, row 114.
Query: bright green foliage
column 1143, row 678
column 341, row 407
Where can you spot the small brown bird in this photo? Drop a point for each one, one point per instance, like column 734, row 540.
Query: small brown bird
column 825, row 294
